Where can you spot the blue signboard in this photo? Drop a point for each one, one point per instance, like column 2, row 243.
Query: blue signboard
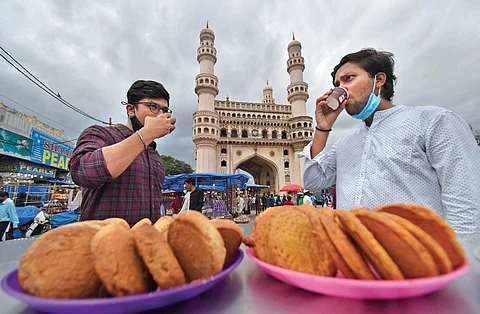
column 29, row 168
column 50, row 152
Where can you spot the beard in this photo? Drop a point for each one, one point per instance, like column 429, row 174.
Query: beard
column 358, row 105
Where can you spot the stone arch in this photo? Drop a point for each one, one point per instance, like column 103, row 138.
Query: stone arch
column 258, row 166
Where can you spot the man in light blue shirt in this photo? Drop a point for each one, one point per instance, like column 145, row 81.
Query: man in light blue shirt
column 8, row 214
column 421, row 155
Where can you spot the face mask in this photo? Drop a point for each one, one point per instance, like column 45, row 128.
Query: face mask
column 371, row 105
column 137, row 125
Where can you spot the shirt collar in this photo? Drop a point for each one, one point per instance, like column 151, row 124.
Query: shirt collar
column 381, row 115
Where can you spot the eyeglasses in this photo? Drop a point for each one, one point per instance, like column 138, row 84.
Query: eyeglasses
column 154, row 107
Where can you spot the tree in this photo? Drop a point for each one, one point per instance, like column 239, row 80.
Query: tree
column 175, row 166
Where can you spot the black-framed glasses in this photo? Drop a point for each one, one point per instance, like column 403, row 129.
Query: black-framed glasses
column 154, row 107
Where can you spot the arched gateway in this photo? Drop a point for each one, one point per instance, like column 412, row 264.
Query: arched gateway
column 261, row 138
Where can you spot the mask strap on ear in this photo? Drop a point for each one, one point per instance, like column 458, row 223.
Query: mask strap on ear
column 374, row 81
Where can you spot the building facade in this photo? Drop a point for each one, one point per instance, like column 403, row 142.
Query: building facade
column 264, row 138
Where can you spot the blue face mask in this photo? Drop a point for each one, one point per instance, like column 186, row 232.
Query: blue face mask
column 371, row 106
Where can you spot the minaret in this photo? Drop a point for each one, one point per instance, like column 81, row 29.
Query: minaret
column 206, row 129
column 297, row 90
column 268, row 95
column 300, row 123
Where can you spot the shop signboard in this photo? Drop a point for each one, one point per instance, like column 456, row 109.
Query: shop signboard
column 33, row 169
column 15, row 145
column 13, row 122
column 50, row 152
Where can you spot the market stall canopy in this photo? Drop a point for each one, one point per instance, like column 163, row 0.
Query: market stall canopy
column 206, row 181
column 292, row 188
column 257, row 186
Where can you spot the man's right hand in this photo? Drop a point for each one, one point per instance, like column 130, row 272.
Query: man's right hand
column 159, row 126
column 325, row 116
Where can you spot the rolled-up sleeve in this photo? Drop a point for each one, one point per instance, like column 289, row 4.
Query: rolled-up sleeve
column 320, row 171
column 87, row 165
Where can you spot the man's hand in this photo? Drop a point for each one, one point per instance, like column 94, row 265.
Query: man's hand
column 324, row 115
column 159, row 126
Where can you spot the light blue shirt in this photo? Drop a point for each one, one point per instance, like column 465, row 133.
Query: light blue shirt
column 421, row 155
column 8, row 212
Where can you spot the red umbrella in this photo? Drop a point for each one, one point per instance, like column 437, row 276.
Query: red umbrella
column 292, row 187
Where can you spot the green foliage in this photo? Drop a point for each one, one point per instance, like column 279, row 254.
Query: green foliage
column 175, row 166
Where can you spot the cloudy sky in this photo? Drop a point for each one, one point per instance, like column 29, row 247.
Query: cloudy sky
column 91, row 51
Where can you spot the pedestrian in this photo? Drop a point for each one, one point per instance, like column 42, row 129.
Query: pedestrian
column 8, row 215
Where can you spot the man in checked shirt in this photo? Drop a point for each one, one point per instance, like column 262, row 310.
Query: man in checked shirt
column 118, row 167
column 424, row 155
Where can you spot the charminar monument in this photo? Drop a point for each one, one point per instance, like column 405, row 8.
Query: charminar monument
column 261, row 138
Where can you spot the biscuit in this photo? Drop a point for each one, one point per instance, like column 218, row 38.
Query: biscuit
column 369, row 246
column 197, row 244
column 120, row 221
column 118, row 263
column 343, row 251
column 59, row 263
column 438, row 253
column 432, row 224
column 260, row 229
column 158, row 256
column 141, row 223
column 412, row 258
column 162, row 225
column 294, row 246
column 249, row 240
column 231, row 233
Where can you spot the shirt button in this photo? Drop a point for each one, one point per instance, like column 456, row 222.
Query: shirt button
column 361, row 174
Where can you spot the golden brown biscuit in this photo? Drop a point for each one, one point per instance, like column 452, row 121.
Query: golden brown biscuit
column 343, row 251
column 120, row 221
column 260, row 229
column 294, row 246
column 158, row 256
column 432, row 224
column 412, row 258
column 141, row 223
column 369, row 246
column 197, row 244
column 438, row 253
column 118, row 263
column 59, row 264
column 249, row 240
column 231, row 233
column 162, row 225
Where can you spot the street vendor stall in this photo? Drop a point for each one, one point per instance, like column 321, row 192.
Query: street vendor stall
column 220, row 190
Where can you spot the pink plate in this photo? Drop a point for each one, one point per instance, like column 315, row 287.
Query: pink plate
column 360, row 289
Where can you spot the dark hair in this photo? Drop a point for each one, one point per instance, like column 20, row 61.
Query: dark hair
column 146, row 89
column 190, row 180
column 373, row 61
column 3, row 194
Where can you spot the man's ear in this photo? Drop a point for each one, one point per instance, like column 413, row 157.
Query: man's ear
column 381, row 79
column 130, row 110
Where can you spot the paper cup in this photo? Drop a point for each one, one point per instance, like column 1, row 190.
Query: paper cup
column 338, row 95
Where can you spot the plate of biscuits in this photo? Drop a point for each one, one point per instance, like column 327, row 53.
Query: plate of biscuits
column 391, row 252
column 107, row 267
